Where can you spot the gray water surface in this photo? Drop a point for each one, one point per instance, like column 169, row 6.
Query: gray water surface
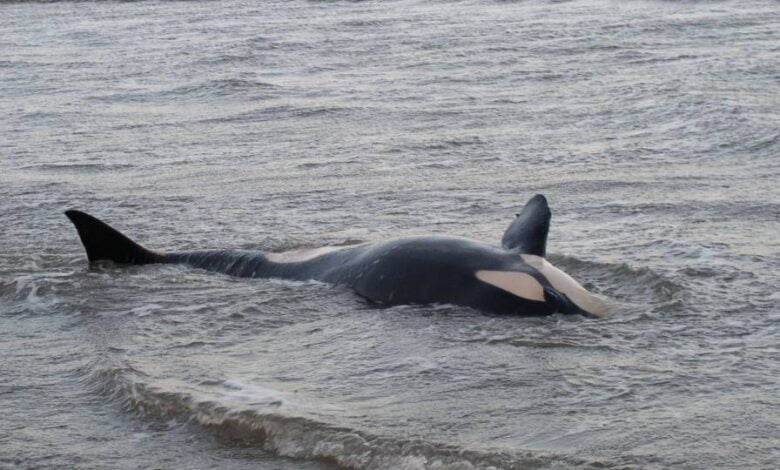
column 653, row 128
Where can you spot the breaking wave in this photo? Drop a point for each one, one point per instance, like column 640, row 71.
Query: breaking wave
column 266, row 423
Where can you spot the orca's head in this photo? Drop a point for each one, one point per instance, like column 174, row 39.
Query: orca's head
column 548, row 284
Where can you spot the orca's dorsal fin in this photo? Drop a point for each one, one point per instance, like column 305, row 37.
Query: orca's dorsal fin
column 528, row 232
column 103, row 242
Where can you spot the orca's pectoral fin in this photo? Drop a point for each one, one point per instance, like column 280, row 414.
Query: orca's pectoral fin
column 103, row 242
column 528, row 232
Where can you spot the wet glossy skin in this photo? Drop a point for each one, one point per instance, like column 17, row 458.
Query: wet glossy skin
column 418, row 270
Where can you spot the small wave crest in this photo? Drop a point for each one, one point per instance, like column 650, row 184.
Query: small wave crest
column 79, row 167
column 35, row 292
column 621, row 282
column 218, row 88
column 222, row 87
column 260, row 416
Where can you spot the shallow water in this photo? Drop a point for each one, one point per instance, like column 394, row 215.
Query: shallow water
column 652, row 127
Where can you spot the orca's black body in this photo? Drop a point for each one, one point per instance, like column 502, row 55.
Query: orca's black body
column 416, row 270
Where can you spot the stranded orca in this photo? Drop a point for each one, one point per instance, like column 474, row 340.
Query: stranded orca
column 512, row 279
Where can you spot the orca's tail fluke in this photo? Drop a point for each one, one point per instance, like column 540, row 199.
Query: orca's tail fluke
column 103, row 242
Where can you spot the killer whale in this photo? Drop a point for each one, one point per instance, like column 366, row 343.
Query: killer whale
column 514, row 278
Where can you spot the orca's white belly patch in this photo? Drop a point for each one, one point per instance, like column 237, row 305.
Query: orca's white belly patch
column 299, row 256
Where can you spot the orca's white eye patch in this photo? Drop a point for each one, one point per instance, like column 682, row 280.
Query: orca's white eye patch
column 520, row 284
